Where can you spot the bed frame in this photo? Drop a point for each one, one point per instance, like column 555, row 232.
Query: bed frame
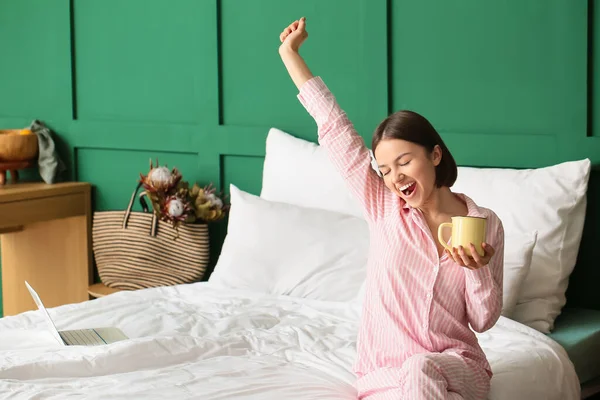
column 582, row 292
column 583, row 283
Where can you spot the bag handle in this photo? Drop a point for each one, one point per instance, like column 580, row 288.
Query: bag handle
column 144, row 207
column 143, row 202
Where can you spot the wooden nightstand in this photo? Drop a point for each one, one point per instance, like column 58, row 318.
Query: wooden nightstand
column 45, row 232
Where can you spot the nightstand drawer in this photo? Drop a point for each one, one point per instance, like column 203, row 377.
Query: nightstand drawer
column 23, row 212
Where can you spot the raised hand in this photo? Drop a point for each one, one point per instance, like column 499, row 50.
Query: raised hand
column 294, row 35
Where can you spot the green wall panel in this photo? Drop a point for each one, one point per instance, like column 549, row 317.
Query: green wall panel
column 346, row 46
column 504, row 67
column 496, row 150
column 136, row 136
column 35, row 66
column 151, row 61
column 242, row 171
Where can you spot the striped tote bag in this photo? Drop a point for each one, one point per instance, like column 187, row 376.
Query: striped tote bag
column 135, row 250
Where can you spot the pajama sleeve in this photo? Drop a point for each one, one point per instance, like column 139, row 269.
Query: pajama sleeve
column 345, row 148
column 484, row 286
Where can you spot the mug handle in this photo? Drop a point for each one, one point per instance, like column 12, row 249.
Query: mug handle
column 440, row 230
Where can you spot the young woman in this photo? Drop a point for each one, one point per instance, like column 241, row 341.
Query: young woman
column 414, row 340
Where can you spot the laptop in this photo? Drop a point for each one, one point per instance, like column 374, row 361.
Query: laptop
column 79, row 337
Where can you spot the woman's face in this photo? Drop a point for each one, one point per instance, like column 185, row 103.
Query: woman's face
column 408, row 169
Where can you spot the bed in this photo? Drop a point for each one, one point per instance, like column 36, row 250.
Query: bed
column 198, row 341
column 278, row 317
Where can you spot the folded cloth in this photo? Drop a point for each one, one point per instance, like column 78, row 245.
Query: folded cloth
column 49, row 163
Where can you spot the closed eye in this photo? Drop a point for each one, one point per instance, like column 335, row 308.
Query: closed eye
column 401, row 165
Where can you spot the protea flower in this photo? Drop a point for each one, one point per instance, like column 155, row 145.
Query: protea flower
column 176, row 210
column 214, row 200
column 160, row 179
column 159, row 176
column 209, row 206
column 175, row 207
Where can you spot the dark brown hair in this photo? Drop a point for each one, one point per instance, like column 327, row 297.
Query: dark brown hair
column 413, row 127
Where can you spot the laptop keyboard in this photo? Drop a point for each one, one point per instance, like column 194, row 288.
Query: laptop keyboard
column 83, row 337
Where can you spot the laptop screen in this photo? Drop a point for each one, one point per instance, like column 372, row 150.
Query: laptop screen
column 40, row 305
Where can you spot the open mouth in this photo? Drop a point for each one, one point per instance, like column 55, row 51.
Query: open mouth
column 408, row 189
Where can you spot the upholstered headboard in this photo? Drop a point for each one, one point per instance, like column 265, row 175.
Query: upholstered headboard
column 583, row 291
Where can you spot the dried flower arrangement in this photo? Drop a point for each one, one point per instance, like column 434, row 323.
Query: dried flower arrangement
column 174, row 201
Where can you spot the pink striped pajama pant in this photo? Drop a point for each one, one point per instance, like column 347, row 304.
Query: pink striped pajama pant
column 427, row 376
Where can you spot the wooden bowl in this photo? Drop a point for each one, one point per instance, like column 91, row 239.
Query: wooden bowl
column 15, row 146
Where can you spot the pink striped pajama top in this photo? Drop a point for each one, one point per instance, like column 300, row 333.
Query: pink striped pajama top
column 415, row 301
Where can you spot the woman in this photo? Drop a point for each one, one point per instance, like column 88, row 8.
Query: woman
column 414, row 340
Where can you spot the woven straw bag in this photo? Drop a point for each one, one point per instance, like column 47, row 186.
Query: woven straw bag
column 135, row 250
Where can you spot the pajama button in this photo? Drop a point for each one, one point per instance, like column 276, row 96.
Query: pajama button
column 425, row 326
column 428, row 295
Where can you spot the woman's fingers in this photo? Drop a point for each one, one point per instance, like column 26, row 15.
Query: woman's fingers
column 468, row 261
column 475, row 255
column 302, row 24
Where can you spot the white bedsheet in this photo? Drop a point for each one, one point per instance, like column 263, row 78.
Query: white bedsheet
column 194, row 341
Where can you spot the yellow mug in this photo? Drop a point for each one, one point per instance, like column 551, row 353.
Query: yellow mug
column 465, row 230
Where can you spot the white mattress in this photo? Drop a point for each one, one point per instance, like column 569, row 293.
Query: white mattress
column 194, row 341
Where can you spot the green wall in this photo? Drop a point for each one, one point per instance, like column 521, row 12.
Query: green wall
column 198, row 83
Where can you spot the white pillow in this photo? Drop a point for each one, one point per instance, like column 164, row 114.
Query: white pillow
column 518, row 250
column 280, row 248
column 299, row 172
column 551, row 201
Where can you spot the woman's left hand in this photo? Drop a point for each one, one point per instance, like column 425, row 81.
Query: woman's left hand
column 476, row 261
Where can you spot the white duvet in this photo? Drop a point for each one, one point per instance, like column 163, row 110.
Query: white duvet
column 196, row 341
